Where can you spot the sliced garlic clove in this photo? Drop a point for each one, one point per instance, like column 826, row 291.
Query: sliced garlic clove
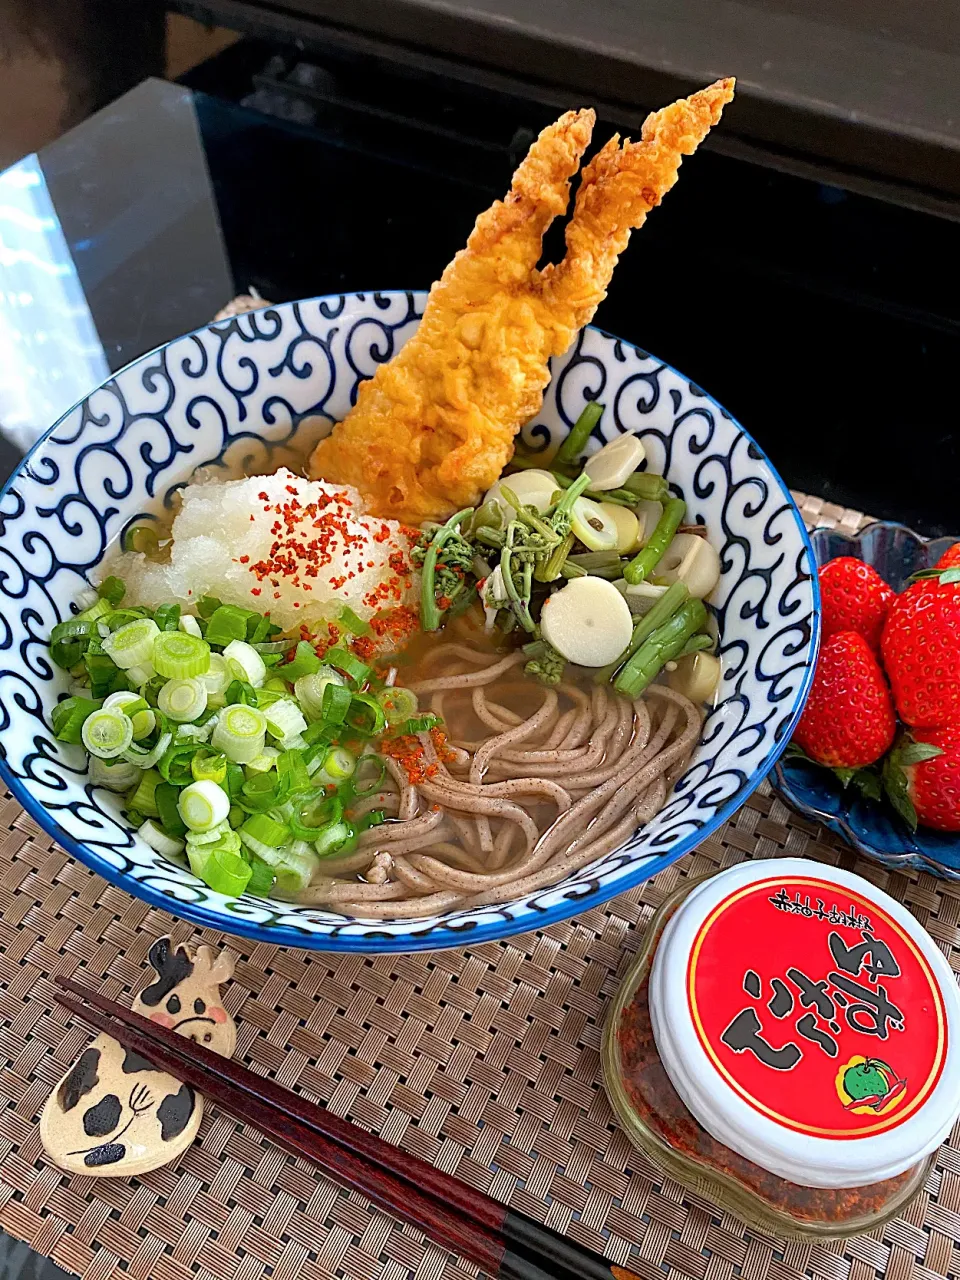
column 628, row 526
column 534, row 488
column 592, row 526
column 690, row 559
column 696, row 676
column 610, row 466
column 587, row 622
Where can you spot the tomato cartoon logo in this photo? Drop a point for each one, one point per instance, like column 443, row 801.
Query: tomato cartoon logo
column 867, row 1085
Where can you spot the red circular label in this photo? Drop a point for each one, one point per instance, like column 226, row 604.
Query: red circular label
column 817, row 1007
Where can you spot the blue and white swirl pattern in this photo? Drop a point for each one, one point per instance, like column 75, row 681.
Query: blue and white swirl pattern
column 235, row 395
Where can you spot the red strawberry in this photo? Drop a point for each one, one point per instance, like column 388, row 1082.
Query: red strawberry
column 921, row 651
column 922, row 778
column 853, row 597
column 848, row 721
column 950, row 558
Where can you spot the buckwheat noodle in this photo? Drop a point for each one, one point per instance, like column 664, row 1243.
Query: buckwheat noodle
column 527, row 799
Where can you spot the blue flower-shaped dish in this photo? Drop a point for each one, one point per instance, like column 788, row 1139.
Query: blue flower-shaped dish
column 872, row 827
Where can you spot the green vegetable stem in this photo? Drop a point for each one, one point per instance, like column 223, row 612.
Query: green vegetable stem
column 669, row 604
column 581, row 431
column 429, row 610
column 665, row 644
column 645, row 561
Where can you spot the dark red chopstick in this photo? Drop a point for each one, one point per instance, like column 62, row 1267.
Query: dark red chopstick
column 504, row 1243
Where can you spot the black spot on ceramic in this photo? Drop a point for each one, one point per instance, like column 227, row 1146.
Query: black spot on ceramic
column 102, row 1118
column 199, row 1006
column 134, row 1062
column 171, row 967
column 173, row 1004
column 81, row 1079
column 109, row 1153
column 174, row 1112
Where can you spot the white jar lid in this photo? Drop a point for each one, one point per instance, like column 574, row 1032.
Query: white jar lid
column 808, row 1022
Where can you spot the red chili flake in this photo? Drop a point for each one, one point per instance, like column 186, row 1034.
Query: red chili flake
column 338, row 582
column 291, row 489
column 263, row 497
column 255, row 591
column 365, row 647
column 244, row 559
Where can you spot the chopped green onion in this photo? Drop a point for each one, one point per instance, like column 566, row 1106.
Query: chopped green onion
column 372, row 785
column 68, row 717
column 351, row 667
column 141, row 675
column 240, row 691
column 165, row 798
column 259, row 793
column 304, row 663
column 115, row 775
column 266, row 830
column 167, row 617
column 207, row 606
column 188, row 624
column 236, row 816
column 98, row 609
column 340, row 764
column 160, row 840
column 177, row 655
column 285, row 721
column 209, row 765
column 225, row 624
column 336, row 703
column 300, row 864
column 184, row 699
column 175, row 763
column 244, row 662
column 235, row 778
column 135, row 817
column 398, row 704
column 69, row 641
column 144, row 797
column 220, row 864
column 309, row 689
column 132, row 644
column 366, row 716
column 112, row 589
column 420, row 724
column 240, row 733
column 310, row 816
column 136, row 708
column 217, row 677
column 203, row 805
column 262, row 878
column 266, row 762
column 106, row 733
column 350, row 622
column 333, row 838
column 292, row 775
column 147, row 759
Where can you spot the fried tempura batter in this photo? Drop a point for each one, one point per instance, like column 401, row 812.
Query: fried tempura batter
column 434, row 427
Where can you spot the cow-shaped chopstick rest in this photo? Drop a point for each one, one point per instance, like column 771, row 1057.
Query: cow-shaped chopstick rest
column 112, row 1114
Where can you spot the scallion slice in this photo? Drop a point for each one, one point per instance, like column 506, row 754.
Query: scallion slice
column 220, row 864
column 177, row 655
column 225, row 624
column 106, row 733
column 188, row 624
column 165, row 797
column 336, row 703
column 115, row 775
column 132, row 644
column 217, row 676
column 304, row 663
column 284, row 720
column 309, row 689
column 167, row 617
column 352, row 667
column 209, row 766
column 245, row 663
column 340, row 764
column 366, row 716
column 182, row 700
column 398, row 704
column 141, row 715
column 266, row 830
column 68, row 717
column 147, row 759
column 240, row 733
column 334, row 838
column 158, row 839
column 202, row 805
column 143, row 798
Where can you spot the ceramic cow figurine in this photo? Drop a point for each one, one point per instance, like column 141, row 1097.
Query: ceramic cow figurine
column 113, row 1114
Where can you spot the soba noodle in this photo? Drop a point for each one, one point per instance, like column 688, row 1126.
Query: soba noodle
column 518, row 799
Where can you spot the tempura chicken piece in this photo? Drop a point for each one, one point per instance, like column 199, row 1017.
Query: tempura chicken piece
column 434, row 427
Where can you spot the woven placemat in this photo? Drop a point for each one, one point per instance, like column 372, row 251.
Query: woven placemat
column 484, row 1061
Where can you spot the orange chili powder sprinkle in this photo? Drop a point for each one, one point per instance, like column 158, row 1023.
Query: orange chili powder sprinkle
column 408, row 753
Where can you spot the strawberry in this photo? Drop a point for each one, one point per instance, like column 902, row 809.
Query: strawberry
column 848, row 721
column 921, row 650
column 853, row 597
column 950, row 558
column 922, row 778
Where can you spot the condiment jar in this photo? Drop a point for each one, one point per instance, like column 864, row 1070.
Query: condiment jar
column 787, row 1043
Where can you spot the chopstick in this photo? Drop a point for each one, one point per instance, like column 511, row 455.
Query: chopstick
column 504, row 1243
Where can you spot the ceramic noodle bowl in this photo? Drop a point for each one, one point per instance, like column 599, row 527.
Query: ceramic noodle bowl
column 254, row 392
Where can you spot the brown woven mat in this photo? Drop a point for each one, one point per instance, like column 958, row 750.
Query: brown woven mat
column 483, row 1061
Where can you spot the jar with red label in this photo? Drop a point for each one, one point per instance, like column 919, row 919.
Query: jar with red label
column 787, row 1043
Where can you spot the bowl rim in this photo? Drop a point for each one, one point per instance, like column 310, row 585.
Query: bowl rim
column 439, row 936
